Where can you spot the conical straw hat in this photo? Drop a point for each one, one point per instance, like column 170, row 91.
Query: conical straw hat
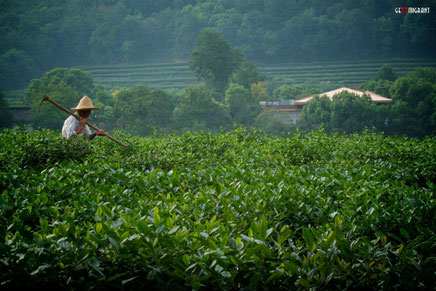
column 85, row 104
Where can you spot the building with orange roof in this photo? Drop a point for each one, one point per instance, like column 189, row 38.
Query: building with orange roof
column 374, row 97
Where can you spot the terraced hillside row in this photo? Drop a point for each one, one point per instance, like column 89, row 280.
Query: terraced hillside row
column 178, row 75
column 155, row 76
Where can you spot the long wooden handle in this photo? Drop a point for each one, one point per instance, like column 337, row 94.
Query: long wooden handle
column 46, row 98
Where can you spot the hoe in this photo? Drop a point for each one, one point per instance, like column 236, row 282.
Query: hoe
column 46, row 98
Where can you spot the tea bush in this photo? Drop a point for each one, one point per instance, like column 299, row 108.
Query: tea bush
column 235, row 210
column 38, row 148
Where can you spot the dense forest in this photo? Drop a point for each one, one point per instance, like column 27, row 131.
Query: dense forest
column 39, row 35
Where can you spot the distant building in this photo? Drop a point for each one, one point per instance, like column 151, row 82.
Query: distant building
column 289, row 111
column 284, row 110
column 374, row 97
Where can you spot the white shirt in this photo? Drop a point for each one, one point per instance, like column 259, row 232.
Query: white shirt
column 69, row 128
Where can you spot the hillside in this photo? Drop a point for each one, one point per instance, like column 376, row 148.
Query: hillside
column 39, row 35
column 178, row 75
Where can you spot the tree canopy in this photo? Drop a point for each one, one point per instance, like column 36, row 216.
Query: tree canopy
column 386, row 73
column 242, row 104
column 412, row 114
column 414, row 111
column 346, row 113
column 199, row 111
column 214, row 60
column 66, row 86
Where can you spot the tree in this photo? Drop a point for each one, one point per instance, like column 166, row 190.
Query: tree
column 140, row 111
column 346, row 113
column 198, row 110
column 186, row 30
column 61, row 33
column 283, row 92
column 160, row 110
column 416, row 113
column 258, row 91
column 5, row 113
column 386, row 73
column 271, row 124
column 380, row 87
column 316, row 112
column 287, row 92
column 105, row 101
column 242, row 105
column 351, row 113
column 66, row 86
column 131, row 110
column 247, row 74
column 214, row 60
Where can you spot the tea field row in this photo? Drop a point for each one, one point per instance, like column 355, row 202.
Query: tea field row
column 235, row 210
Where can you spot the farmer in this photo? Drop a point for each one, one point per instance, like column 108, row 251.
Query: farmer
column 72, row 126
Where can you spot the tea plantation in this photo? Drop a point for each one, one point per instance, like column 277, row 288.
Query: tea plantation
column 177, row 74
column 236, row 210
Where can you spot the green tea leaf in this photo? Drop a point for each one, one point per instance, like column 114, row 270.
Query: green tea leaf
column 98, row 227
column 99, row 211
column 124, row 282
column 308, row 238
column 142, row 227
column 186, row 259
column 404, row 233
column 174, row 229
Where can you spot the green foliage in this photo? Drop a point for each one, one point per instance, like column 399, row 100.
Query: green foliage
column 385, row 73
column 295, row 91
column 283, row 92
column 346, row 113
column 242, row 104
column 112, row 32
column 381, row 87
column 324, row 75
column 17, row 69
column 412, row 114
column 65, row 86
column 199, row 111
column 415, row 98
column 131, row 109
column 259, row 92
column 103, row 118
column 214, row 60
column 5, row 112
column 236, row 210
column 247, row 74
column 268, row 122
column 39, row 149
column 139, row 110
column 161, row 110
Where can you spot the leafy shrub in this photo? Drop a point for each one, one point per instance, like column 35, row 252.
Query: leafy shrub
column 235, row 210
column 39, row 148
